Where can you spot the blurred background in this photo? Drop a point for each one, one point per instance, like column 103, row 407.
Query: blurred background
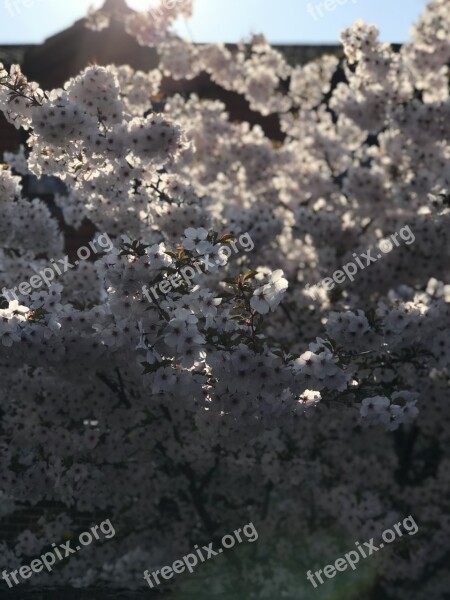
column 282, row 21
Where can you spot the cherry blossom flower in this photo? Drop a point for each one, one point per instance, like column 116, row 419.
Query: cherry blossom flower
column 269, row 296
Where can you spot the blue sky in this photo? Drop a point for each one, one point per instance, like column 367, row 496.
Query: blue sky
column 282, row 21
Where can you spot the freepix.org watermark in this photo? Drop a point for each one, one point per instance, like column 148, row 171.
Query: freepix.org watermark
column 15, row 7
column 165, row 6
column 349, row 270
column 47, row 275
column 352, row 558
column 200, row 266
column 190, row 561
column 316, row 10
column 60, row 553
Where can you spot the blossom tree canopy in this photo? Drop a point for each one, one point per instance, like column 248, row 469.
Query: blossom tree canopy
column 237, row 395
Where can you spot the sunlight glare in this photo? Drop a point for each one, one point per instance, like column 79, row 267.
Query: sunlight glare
column 141, row 5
